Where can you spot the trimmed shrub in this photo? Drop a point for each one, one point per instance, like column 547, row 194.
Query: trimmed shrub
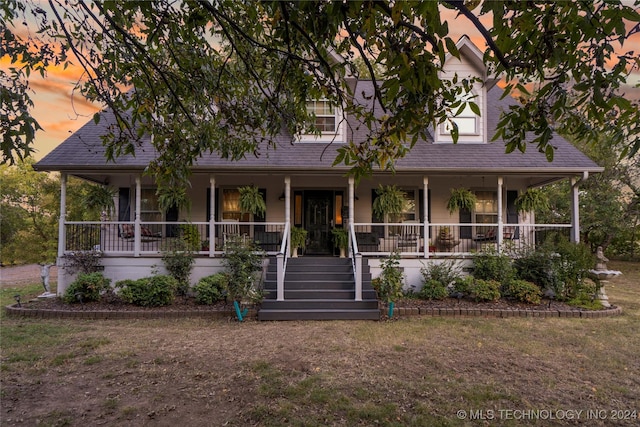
column 211, row 289
column 86, row 288
column 484, row 290
column 179, row 263
column 152, row 291
column 462, row 285
column 523, row 291
column 490, row 265
column 433, row 289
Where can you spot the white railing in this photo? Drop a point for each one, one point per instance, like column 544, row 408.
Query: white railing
column 356, row 261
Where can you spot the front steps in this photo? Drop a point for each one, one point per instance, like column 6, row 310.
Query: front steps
column 319, row 288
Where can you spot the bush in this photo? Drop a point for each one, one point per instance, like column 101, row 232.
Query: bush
column 537, row 266
column 86, row 288
column 445, row 272
column 211, row 289
column 462, row 286
column 243, row 261
column 389, row 284
column 152, row 291
column 585, row 297
column 433, row 289
column 523, row 291
column 84, row 262
column 490, row 265
column 484, row 290
column 179, row 263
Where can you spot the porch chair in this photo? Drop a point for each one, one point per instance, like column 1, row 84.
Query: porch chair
column 409, row 240
column 230, row 228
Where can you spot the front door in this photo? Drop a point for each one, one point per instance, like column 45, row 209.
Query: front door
column 318, row 220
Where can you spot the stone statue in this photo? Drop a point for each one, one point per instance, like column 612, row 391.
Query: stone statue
column 601, row 260
column 44, row 274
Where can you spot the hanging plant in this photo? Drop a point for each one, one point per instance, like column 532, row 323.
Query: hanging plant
column 99, row 198
column 461, row 199
column 251, row 200
column 390, row 200
column 534, row 199
column 173, row 196
column 298, row 237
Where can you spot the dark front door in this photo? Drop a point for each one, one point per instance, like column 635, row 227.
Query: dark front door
column 318, row 220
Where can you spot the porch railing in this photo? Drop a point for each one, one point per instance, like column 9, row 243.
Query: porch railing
column 448, row 239
column 123, row 237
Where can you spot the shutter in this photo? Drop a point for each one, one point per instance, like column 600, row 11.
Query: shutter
column 512, row 211
column 377, row 230
column 465, row 218
column 124, row 204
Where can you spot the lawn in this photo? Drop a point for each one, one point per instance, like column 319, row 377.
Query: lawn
column 412, row 371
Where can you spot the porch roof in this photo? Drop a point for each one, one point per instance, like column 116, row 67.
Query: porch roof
column 84, row 154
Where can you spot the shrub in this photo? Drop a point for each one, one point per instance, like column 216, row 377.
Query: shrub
column 485, row 290
column 462, row 286
column 445, row 272
column 389, row 284
column 243, row 261
column 179, row 263
column 211, row 289
column 585, row 297
column 152, row 291
column 537, row 266
column 87, row 287
column 433, row 289
column 84, row 262
column 523, row 291
column 490, row 265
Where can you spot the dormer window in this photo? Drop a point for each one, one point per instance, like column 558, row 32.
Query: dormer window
column 466, row 121
column 326, row 118
column 324, row 113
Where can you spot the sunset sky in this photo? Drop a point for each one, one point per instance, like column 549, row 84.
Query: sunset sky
column 60, row 111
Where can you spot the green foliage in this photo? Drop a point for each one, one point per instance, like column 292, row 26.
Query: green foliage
column 533, row 200
column 445, row 272
column 536, row 266
column 389, row 284
column 82, row 261
column 340, row 237
column 86, row 288
column 179, row 263
column 191, row 237
column 584, row 296
column 99, row 198
column 491, row 265
column 433, row 289
column 211, row 289
column 523, row 291
column 463, row 285
column 298, row 237
column 390, row 200
column 251, row 200
column 243, row 263
column 484, row 290
column 154, row 291
column 461, row 199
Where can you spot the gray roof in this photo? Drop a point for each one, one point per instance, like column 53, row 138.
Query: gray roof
column 84, row 152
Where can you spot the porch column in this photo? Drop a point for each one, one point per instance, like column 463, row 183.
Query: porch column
column 500, row 182
column 63, row 215
column 425, row 209
column 62, row 235
column 212, row 216
column 136, row 242
column 575, row 207
column 287, row 208
column 351, row 200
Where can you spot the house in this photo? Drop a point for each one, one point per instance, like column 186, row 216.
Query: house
column 303, row 189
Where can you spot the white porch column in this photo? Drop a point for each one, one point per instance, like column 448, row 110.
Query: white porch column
column 287, row 206
column 500, row 224
column 351, row 200
column 425, row 209
column 212, row 216
column 136, row 242
column 575, row 207
column 62, row 243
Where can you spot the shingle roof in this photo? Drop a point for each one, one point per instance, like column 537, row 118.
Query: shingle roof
column 83, row 151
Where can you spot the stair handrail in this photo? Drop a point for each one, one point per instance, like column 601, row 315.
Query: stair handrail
column 281, row 262
column 356, row 262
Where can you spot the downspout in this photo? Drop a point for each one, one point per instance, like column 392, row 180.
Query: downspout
column 575, row 206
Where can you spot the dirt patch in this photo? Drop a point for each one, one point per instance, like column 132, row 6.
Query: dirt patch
column 25, row 274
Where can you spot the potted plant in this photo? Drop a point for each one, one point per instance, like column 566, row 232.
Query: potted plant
column 251, row 200
column 298, row 240
column 388, row 285
column 204, row 246
column 340, row 240
column 461, row 198
column 534, row 199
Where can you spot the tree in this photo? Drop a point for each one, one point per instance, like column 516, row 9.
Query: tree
column 226, row 76
column 609, row 202
column 30, row 212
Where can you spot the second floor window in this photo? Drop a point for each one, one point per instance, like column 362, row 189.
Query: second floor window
column 325, row 115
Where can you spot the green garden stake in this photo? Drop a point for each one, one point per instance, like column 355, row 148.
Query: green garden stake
column 391, row 309
column 238, row 313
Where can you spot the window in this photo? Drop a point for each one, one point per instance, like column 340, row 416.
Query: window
column 325, row 115
column 149, row 207
column 231, row 206
column 467, row 120
column 486, row 210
